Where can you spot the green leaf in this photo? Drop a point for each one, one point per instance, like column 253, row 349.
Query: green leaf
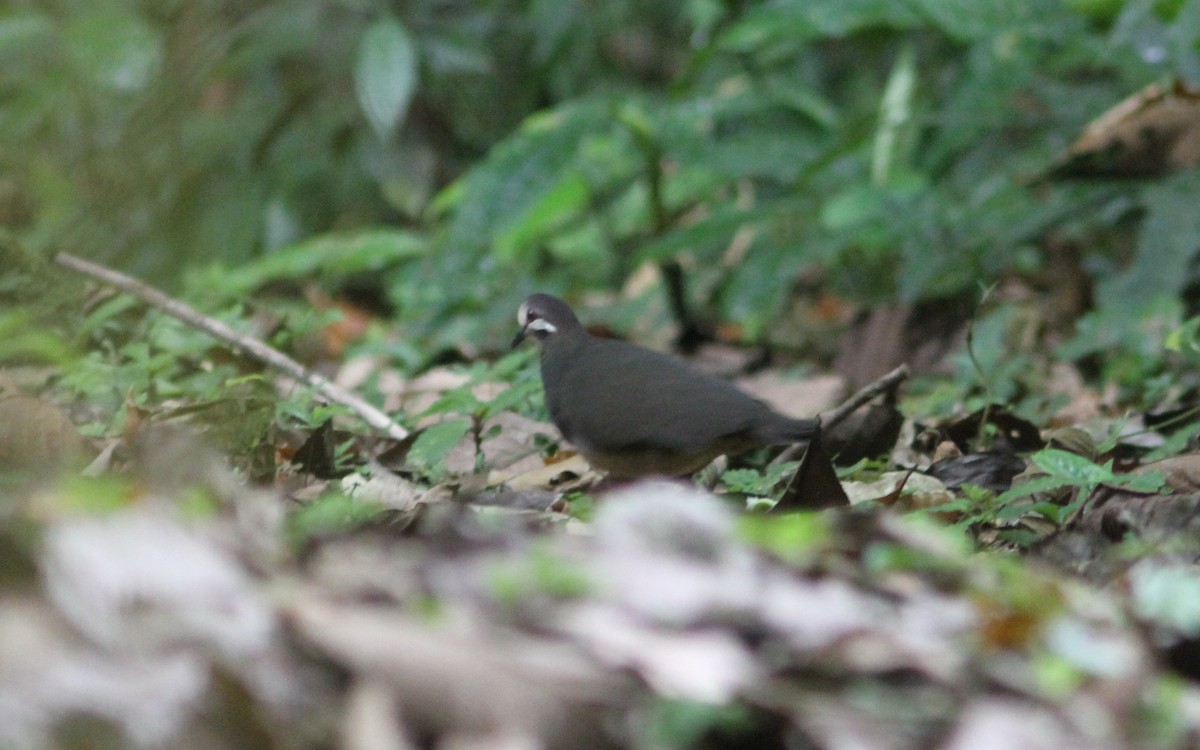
column 895, row 129
column 541, row 572
column 1066, row 469
column 752, row 482
column 512, row 398
column 1147, row 481
column 558, row 205
column 329, row 514
column 1185, row 339
column 557, row 575
column 341, row 254
column 711, row 232
column 795, row 537
column 1029, row 488
column 966, row 20
column 114, row 49
column 747, row 133
column 91, row 495
column 431, row 447
column 747, row 481
column 771, row 24
column 22, row 340
column 20, row 31
column 1167, row 240
column 683, row 723
column 518, row 173
column 385, row 76
column 460, row 400
column 1072, row 468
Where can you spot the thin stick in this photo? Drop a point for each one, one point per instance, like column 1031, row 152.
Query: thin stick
column 835, row 416
column 245, row 344
column 865, row 394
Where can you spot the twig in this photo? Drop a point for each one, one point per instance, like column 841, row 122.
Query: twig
column 245, row 344
column 839, row 414
column 865, row 394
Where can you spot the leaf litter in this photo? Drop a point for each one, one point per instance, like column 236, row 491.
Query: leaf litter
column 365, row 605
column 491, row 628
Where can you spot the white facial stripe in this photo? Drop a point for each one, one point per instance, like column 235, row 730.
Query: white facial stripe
column 541, row 324
column 522, row 315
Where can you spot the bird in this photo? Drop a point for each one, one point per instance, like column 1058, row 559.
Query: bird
column 634, row 412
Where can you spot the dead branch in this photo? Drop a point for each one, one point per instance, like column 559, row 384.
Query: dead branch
column 832, row 417
column 882, row 385
column 246, row 344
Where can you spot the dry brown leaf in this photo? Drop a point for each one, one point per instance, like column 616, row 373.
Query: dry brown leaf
column 993, row 470
column 1004, row 628
column 1009, row 724
column 49, row 674
column 534, row 462
column 508, row 438
column 188, row 590
column 347, row 329
column 866, row 433
column 420, row 393
column 463, row 683
column 815, row 484
column 385, row 488
column 36, row 435
column 834, row 723
column 1072, row 439
column 563, row 476
column 946, row 450
column 1182, row 473
column 372, row 718
column 1085, row 403
column 707, row 665
column 1152, row 132
column 919, row 490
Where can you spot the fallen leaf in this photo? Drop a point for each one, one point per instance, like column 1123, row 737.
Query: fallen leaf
column 385, row 488
column 508, row 438
column 1009, row 724
column 185, row 588
column 48, row 674
column 1180, row 473
column 992, row 470
column 467, row 682
column 1150, row 133
column 562, row 475
column 706, row 665
column 36, row 435
column 815, row 485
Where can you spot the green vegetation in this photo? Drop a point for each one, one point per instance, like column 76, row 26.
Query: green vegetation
column 772, row 156
column 885, row 147
column 373, row 187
